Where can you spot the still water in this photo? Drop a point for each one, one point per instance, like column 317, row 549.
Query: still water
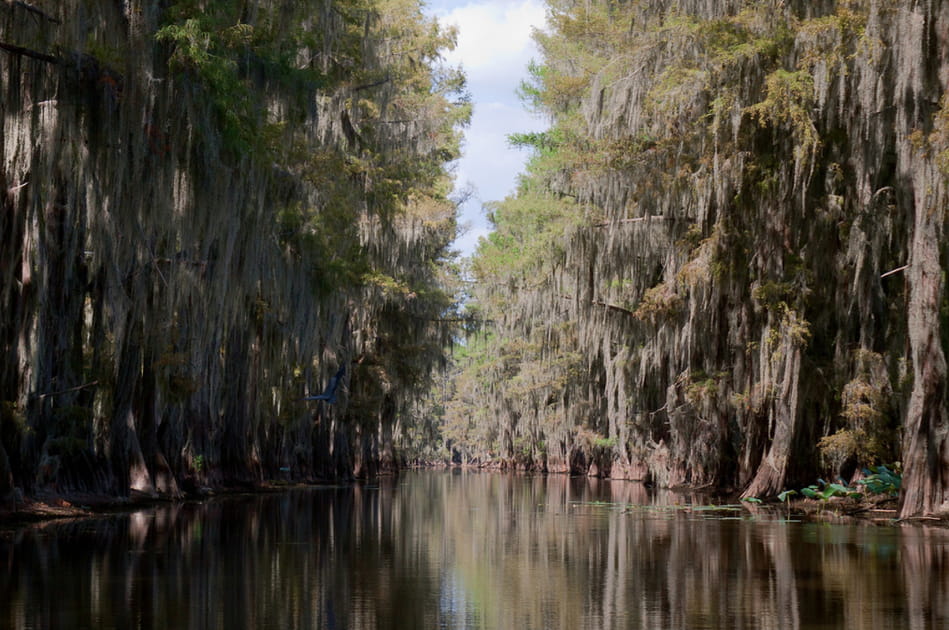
column 468, row 550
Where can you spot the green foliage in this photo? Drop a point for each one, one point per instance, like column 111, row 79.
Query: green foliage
column 541, row 141
column 772, row 295
column 658, row 304
column 732, row 39
column 788, row 103
column 844, row 30
column 882, row 480
column 825, row 491
column 208, row 55
column 866, row 436
column 674, row 217
column 785, row 495
column 604, row 443
column 527, row 233
column 531, row 90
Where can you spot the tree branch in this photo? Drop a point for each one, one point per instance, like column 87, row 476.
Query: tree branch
column 452, row 320
column 67, row 391
column 606, row 305
column 893, row 271
column 366, row 86
column 26, row 52
column 34, row 10
column 605, row 224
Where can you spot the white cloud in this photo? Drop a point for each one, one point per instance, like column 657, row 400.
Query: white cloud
column 489, row 162
column 494, row 37
column 489, row 165
column 494, row 48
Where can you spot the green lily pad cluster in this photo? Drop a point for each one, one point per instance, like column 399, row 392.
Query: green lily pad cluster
column 878, row 480
column 826, row 491
column 882, row 480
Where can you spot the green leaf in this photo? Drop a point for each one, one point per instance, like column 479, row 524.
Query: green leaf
column 811, row 492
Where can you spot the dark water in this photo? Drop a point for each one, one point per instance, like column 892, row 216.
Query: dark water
column 470, row 550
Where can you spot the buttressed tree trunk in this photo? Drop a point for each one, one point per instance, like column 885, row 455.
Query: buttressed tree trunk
column 926, row 432
column 926, row 425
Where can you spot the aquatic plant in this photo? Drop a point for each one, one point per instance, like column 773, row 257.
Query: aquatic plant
column 826, row 491
column 881, row 480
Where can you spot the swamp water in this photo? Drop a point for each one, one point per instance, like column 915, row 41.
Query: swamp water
column 469, row 550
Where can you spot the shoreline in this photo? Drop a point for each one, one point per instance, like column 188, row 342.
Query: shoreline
column 50, row 506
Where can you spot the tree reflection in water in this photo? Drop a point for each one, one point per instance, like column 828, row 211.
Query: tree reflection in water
column 469, row 550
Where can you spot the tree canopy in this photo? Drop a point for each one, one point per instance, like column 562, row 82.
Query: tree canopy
column 724, row 265
column 232, row 200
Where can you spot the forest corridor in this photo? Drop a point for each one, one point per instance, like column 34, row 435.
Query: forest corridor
column 226, row 255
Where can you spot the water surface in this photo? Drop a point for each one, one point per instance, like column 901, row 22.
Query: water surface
column 453, row 550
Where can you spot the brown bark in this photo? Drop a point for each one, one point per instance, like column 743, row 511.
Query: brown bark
column 926, row 434
column 388, row 461
column 15, row 286
column 161, row 477
column 6, row 475
column 239, row 459
column 772, row 471
column 128, row 464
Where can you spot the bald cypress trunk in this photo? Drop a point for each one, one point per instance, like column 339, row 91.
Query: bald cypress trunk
column 128, row 464
column 784, row 421
column 236, row 442
column 926, row 432
column 6, row 475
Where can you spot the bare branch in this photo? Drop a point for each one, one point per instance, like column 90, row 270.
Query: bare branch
column 610, row 307
column 893, row 271
column 13, row 189
column 34, row 11
column 26, row 52
column 367, row 86
column 605, row 224
column 67, row 391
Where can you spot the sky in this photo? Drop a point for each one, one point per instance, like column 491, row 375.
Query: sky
column 494, row 48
